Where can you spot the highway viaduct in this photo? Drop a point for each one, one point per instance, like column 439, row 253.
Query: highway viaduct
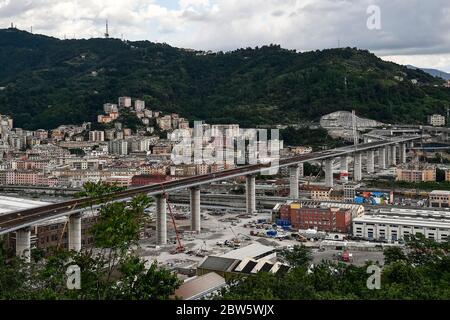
column 388, row 153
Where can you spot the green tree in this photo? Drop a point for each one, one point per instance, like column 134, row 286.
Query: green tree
column 98, row 189
column 110, row 271
column 297, row 256
column 393, row 254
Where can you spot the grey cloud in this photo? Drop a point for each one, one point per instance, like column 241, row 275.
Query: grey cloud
column 409, row 27
column 278, row 13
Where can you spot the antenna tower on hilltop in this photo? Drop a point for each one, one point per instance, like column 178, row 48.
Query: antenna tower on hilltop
column 107, row 30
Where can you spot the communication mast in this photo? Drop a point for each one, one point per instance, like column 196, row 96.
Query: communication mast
column 107, row 30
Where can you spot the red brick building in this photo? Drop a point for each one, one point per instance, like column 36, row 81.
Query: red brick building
column 322, row 219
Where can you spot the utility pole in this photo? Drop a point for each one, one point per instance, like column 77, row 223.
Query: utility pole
column 448, row 115
column 355, row 132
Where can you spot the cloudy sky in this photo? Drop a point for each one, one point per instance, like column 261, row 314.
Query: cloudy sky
column 407, row 31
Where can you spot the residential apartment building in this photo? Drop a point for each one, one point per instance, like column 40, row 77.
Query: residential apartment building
column 29, row 178
column 164, row 123
column 416, row 173
column 41, row 134
column 139, row 105
column 350, row 191
column 121, row 181
column 104, row 119
column 447, row 175
column 125, row 102
column 319, row 193
column 436, row 120
column 110, row 108
column 118, row 147
column 96, row 136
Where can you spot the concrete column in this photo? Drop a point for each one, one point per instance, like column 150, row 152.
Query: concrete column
column 293, row 181
column 195, row 210
column 370, row 161
column 344, row 163
column 403, row 153
column 393, row 155
column 161, row 219
column 357, row 173
column 74, row 232
column 382, row 158
column 329, row 172
column 301, row 170
column 23, row 244
column 251, row 194
column 388, row 156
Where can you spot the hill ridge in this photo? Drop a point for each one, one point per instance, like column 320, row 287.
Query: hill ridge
column 49, row 81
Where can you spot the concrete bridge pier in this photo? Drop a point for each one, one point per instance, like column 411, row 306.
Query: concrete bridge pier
column 329, row 173
column 388, row 156
column 74, row 232
column 382, row 158
column 357, row 173
column 403, row 153
column 294, row 174
column 195, row 209
column 344, row 163
column 161, row 219
column 370, row 161
column 23, row 244
column 301, row 170
column 393, row 155
column 251, row 194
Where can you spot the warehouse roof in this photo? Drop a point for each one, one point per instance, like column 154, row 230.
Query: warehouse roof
column 405, row 221
column 435, row 192
column 200, row 286
column 254, row 250
column 218, row 263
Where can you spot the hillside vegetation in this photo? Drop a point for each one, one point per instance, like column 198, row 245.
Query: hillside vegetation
column 47, row 82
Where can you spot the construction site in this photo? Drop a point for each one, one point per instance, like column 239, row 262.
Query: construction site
column 227, row 230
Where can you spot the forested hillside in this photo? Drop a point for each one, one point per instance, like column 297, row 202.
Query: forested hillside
column 46, row 82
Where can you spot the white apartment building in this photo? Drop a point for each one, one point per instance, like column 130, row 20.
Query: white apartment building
column 139, row 145
column 125, row 102
column 110, row 108
column 139, row 105
column 164, row 123
column 41, row 134
column 118, row 147
column 96, row 136
column 436, row 120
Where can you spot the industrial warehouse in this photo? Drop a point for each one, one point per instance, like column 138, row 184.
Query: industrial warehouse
column 396, row 224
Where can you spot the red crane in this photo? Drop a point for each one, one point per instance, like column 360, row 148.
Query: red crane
column 179, row 248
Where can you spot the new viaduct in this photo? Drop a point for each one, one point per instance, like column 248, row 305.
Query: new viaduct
column 387, row 153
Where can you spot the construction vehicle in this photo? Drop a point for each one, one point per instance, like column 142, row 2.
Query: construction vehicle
column 346, row 256
column 245, row 236
column 232, row 243
column 201, row 251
